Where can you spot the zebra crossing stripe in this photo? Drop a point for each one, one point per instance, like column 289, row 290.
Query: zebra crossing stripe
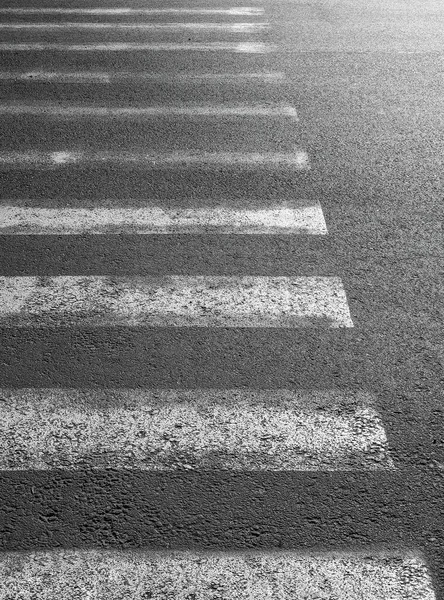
column 246, row 575
column 48, row 160
column 279, row 219
column 231, row 27
column 236, row 47
column 232, row 11
column 174, row 301
column 184, row 110
column 88, row 77
column 209, row 429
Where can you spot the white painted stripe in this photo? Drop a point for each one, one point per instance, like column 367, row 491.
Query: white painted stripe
column 233, row 11
column 113, row 77
column 283, row 218
column 248, row 575
column 116, row 76
column 233, row 27
column 243, row 47
column 41, row 160
column 174, row 301
column 165, row 430
column 165, row 110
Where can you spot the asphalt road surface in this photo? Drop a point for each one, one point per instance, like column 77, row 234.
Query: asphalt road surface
column 221, row 299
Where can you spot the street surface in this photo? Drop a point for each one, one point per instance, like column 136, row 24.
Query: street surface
column 221, row 299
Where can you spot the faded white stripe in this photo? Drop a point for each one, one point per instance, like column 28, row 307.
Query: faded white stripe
column 234, row 27
column 164, row 430
column 116, row 76
column 41, row 160
column 233, row 11
column 245, row 47
column 198, row 110
column 283, row 218
column 249, row 575
column 174, row 301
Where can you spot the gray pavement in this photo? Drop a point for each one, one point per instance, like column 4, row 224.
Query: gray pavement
column 366, row 81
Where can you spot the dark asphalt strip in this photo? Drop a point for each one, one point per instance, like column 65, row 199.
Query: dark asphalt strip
column 137, row 92
column 410, row 404
column 170, row 61
column 118, row 509
column 73, row 186
column 124, row 255
column 156, row 135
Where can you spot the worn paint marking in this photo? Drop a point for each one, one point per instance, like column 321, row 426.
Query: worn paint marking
column 236, row 47
column 287, row 219
column 182, row 159
column 174, row 301
column 163, row 430
column 231, row 11
column 183, row 110
column 108, row 77
column 113, row 575
column 230, row 27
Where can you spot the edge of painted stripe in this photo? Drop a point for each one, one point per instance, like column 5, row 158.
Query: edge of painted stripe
column 231, row 11
column 48, row 160
column 174, row 301
column 206, row 429
column 236, row 27
column 278, row 219
column 248, row 575
column 167, row 110
column 236, row 47
column 116, row 76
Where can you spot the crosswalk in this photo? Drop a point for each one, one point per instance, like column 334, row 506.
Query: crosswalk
column 78, row 107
